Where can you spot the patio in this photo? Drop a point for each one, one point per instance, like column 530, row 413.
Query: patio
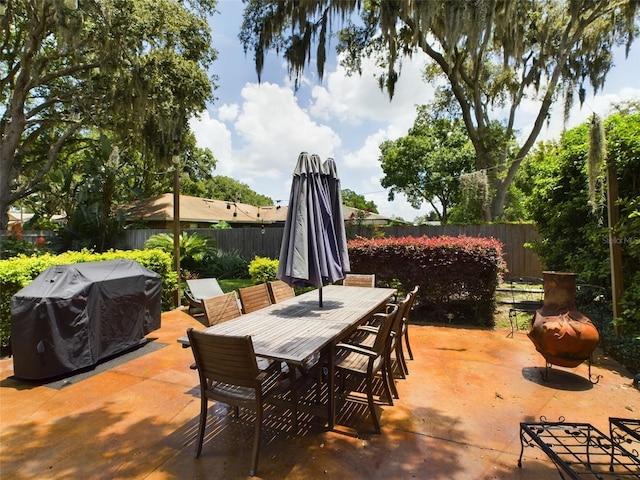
column 457, row 417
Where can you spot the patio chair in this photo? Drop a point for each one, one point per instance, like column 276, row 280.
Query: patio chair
column 405, row 326
column 591, row 300
column 365, row 363
column 280, row 291
column 359, row 280
column 221, row 308
column 365, row 336
column 254, row 298
column 526, row 298
column 229, row 373
column 199, row 289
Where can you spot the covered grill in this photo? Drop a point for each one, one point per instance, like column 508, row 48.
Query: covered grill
column 73, row 316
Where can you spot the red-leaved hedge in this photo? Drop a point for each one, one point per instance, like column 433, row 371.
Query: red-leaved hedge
column 456, row 275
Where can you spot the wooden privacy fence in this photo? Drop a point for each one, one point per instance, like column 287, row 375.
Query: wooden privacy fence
column 252, row 241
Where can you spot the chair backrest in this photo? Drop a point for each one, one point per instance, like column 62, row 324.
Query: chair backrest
column 280, row 291
column 202, row 288
column 399, row 319
column 414, row 294
column 221, row 308
column 359, row 280
column 587, row 294
column 254, row 298
column 526, row 289
column 591, row 300
column 225, row 359
column 387, row 322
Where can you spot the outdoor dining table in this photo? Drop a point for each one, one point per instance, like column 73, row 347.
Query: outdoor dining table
column 297, row 329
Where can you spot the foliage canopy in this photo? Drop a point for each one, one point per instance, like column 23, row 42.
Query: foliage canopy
column 574, row 237
column 425, row 165
column 135, row 70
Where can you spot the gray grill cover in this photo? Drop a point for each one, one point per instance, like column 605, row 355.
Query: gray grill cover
column 73, row 316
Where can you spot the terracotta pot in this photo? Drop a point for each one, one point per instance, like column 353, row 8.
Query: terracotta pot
column 562, row 334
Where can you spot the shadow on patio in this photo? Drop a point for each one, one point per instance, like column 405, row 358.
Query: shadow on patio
column 457, row 417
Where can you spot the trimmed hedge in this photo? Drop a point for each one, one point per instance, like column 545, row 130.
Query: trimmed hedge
column 456, row 275
column 18, row 272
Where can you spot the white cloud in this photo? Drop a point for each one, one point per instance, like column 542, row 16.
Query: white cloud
column 274, row 129
column 270, row 130
column 214, row 135
column 228, row 113
column 368, row 155
column 357, row 98
column 367, row 159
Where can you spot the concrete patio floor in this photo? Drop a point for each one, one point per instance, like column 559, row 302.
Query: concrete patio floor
column 457, row 417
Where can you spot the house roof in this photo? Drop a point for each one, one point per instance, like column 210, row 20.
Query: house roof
column 18, row 217
column 195, row 209
column 351, row 214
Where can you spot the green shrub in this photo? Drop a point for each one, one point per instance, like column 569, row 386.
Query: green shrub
column 456, row 275
column 16, row 273
column 624, row 347
column 629, row 322
column 223, row 265
column 262, row 269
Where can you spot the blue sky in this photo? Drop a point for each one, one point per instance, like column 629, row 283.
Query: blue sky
column 257, row 130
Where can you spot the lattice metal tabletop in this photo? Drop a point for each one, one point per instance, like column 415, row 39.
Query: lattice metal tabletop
column 581, row 451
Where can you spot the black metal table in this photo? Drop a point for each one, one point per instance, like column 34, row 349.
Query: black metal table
column 626, row 433
column 581, row 451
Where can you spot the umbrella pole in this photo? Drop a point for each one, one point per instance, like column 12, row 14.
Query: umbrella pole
column 320, row 296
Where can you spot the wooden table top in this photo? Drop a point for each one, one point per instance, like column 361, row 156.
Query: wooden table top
column 293, row 330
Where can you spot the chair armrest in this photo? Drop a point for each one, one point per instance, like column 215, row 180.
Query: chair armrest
column 368, row 328
column 357, row 349
column 377, row 318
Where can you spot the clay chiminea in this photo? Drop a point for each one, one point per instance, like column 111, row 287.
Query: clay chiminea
column 564, row 336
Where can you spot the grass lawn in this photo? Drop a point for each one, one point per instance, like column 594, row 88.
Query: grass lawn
column 231, row 284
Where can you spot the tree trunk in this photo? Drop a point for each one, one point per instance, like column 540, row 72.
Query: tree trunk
column 11, row 137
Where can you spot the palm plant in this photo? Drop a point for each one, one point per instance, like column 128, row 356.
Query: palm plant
column 193, row 248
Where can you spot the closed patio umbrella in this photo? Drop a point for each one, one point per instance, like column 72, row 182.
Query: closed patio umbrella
column 314, row 250
column 335, row 196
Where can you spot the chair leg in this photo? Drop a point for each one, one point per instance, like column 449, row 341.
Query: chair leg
column 406, row 340
column 386, row 383
column 256, row 442
column 402, row 363
column 372, row 405
column 392, row 382
column 388, row 377
column 202, row 425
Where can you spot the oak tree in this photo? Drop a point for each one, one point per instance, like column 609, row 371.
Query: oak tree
column 135, row 70
column 425, row 165
column 492, row 54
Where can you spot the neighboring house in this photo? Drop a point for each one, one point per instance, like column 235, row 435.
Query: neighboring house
column 198, row 212
column 356, row 216
column 16, row 216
